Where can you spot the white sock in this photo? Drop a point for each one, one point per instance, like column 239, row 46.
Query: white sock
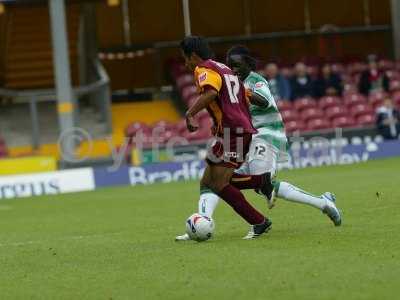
column 292, row 193
column 207, row 203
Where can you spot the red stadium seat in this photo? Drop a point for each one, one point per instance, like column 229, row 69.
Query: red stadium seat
column 311, row 113
column 360, row 109
column 349, row 89
column 336, row 111
column 163, row 123
column 377, row 96
column 328, row 101
column 354, row 99
column 395, row 85
column 367, row 119
column 393, row 74
column 385, row 64
column 289, row 115
column 343, row 121
column 318, row 123
column 132, row 129
column 396, row 96
column 294, row 125
column 304, row 103
column 375, row 103
column 180, row 127
column 188, row 92
column 184, row 80
column 284, row 105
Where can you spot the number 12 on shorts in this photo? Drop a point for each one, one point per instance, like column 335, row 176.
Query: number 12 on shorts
column 232, row 83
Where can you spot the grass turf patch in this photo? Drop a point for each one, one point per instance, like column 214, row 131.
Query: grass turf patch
column 118, row 243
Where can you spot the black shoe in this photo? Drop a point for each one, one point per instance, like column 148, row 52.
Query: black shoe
column 258, row 229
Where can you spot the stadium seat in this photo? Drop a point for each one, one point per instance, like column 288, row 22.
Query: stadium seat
column 377, row 96
column 395, row 85
column 304, row 103
column 375, row 102
column 366, row 119
column 161, row 135
column 336, row 111
column 184, row 80
column 385, row 64
column 353, row 99
column 349, row 89
column 343, row 121
column 188, row 92
column 135, row 127
column 396, row 97
column 393, row 74
column 163, row 124
column 311, row 113
column 318, row 123
column 328, row 101
column 360, row 109
column 180, row 127
column 294, row 125
column 289, row 115
column 284, row 105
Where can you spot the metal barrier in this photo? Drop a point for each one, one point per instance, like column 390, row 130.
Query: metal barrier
column 98, row 90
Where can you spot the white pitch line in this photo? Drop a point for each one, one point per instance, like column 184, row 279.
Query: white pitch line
column 66, row 238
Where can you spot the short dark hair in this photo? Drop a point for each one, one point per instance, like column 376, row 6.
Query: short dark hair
column 245, row 53
column 197, row 45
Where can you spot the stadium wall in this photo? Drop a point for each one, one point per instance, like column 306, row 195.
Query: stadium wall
column 88, row 179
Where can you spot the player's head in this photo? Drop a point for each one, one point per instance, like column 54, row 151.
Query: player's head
column 240, row 60
column 195, row 49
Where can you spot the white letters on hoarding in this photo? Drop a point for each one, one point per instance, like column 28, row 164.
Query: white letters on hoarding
column 46, row 183
column 189, row 171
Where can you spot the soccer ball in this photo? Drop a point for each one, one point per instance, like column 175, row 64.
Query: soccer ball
column 199, row 228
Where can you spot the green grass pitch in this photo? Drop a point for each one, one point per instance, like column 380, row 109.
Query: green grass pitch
column 118, row 243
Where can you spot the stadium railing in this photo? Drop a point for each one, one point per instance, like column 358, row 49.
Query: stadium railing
column 98, row 90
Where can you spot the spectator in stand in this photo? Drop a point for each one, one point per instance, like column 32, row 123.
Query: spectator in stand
column 300, row 84
column 278, row 84
column 388, row 120
column 328, row 83
column 373, row 79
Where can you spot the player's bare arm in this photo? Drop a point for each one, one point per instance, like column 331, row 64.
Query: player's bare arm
column 202, row 102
